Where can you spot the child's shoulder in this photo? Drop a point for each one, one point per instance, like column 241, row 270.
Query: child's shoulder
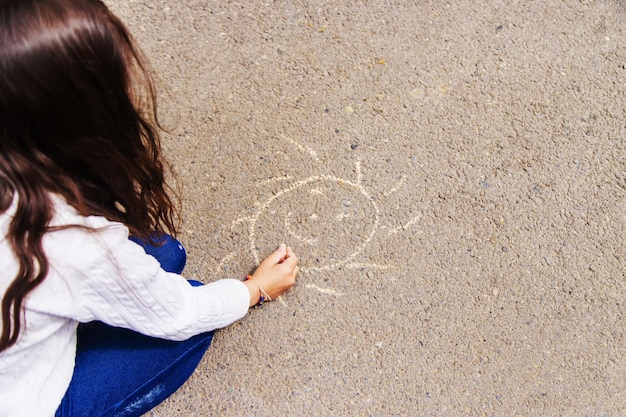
column 84, row 232
column 66, row 215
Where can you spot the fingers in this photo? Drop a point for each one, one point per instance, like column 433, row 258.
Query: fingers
column 279, row 255
column 288, row 259
column 289, row 253
column 282, row 254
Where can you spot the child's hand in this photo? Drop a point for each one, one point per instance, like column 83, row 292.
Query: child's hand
column 276, row 274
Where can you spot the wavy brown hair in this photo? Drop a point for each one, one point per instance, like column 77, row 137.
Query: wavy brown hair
column 78, row 119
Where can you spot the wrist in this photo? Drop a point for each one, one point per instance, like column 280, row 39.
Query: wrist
column 255, row 292
column 263, row 295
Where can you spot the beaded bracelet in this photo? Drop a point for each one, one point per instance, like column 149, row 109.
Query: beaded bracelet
column 264, row 295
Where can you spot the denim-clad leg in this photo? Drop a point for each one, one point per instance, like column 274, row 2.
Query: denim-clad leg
column 119, row 372
column 168, row 251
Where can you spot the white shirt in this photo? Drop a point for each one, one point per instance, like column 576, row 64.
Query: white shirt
column 96, row 275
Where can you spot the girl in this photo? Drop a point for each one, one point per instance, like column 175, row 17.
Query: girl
column 81, row 170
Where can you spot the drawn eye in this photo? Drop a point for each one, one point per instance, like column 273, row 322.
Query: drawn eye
column 342, row 216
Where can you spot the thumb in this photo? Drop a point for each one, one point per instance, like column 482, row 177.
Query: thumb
column 278, row 255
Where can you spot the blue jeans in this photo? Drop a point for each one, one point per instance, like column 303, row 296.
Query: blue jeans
column 119, row 372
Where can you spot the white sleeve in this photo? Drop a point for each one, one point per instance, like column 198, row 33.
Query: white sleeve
column 119, row 284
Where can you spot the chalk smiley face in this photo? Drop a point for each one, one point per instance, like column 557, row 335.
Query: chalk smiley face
column 331, row 220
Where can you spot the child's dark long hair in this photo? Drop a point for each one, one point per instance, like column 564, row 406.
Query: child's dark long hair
column 77, row 118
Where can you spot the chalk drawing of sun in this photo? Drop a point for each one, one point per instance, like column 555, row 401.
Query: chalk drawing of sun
column 328, row 219
column 335, row 220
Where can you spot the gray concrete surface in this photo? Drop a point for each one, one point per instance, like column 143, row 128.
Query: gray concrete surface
column 452, row 176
